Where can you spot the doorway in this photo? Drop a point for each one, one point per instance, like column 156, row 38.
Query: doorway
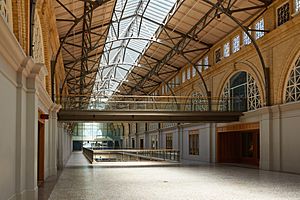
column 132, row 143
column 41, row 152
column 141, row 143
column 238, row 146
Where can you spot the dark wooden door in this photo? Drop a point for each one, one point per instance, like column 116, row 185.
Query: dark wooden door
column 238, row 147
column 41, row 152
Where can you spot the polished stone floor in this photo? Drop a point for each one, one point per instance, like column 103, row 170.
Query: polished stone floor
column 173, row 182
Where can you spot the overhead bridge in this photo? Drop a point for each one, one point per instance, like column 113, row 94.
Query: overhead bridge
column 150, row 116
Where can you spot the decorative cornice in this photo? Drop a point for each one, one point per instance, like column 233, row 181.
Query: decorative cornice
column 293, row 106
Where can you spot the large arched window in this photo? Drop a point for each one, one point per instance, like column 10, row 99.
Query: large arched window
column 292, row 92
column 240, row 93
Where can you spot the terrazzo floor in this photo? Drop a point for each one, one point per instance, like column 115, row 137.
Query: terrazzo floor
column 173, row 182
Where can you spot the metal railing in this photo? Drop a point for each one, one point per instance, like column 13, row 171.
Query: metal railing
column 124, row 155
column 153, row 103
column 89, row 154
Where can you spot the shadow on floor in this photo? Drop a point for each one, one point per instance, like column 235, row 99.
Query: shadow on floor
column 47, row 187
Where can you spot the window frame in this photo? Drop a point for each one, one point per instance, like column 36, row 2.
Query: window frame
column 233, row 43
column 296, row 6
column 218, row 50
column 200, row 65
column 205, row 63
column 183, row 76
column 292, row 85
column 259, row 34
column 169, row 141
column 193, row 141
column 248, row 38
column 227, row 45
column 194, row 71
column 188, row 73
column 280, row 6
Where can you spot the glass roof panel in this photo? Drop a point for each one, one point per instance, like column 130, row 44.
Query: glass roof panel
column 134, row 23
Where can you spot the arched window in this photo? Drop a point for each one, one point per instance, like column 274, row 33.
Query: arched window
column 292, row 92
column 240, row 93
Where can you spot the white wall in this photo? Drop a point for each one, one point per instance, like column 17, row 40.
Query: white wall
column 290, row 137
column 64, row 146
column 8, row 136
column 204, row 142
column 22, row 94
column 174, row 132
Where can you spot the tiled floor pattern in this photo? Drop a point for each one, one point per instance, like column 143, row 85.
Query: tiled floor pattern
column 205, row 182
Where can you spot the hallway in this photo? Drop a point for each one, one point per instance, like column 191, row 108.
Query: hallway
column 172, row 182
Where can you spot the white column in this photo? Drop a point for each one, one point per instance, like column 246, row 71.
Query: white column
column 146, row 141
column 60, row 145
column 160, row 139
column 213, row 142
column 53, row 140
column 31, row 134
column 180, row 140
column 275, row 153
column 265, row 144
column 20, row 134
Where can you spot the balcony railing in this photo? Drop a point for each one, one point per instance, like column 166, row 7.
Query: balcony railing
column 152, row 103
column 125, row 155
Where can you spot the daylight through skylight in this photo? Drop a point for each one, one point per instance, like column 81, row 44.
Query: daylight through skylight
column 134, row 23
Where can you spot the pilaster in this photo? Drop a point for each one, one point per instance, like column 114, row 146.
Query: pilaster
column 20, row 133
column 276, row 139
column 212, row 144
column 180, row 140
column 53, row 140
column 265, row 138
column 31, row 191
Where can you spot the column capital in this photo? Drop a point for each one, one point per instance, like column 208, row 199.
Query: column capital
column 26, row 65
column 55, row 107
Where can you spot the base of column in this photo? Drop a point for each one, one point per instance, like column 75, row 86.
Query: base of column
column 29, row 195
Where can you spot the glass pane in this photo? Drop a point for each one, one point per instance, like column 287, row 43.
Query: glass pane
column 238, row 79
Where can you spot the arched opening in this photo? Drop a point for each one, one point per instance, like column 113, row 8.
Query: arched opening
column 240, row 93
column 239, row 143
column 292, row 92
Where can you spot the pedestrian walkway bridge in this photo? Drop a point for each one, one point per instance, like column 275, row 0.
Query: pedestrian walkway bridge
column 151, row 108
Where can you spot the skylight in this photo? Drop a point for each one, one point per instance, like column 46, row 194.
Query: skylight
column 134, row 24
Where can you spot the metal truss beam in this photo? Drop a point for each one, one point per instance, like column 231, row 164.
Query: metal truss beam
column 179, row 48
column 92, row 6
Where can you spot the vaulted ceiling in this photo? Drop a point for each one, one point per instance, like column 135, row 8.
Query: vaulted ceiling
column 126, row 47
